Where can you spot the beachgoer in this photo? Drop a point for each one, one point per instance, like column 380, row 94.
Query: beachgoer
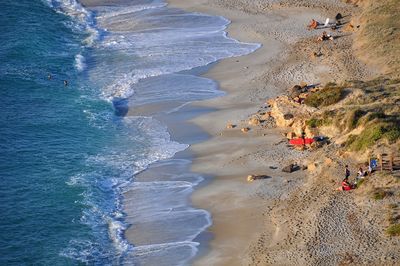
column 345, row 185
column 369, row 169
column 303, row 137
column 313, row 24
column 325, row 37
column 347, row 171
column 373, row 164
column 360, row 174
column 65, row 82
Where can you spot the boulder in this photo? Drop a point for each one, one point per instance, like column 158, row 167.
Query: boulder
column 230, row 126
column 295, row 91
column 311, row 132
column 291, row 135
column 254, row 121
column 286, row 112
column 288, row 116
column 265, row 116
column 251, row 178
column 312, row 167
column 245, row 129
column 290, row 168
column 303, row 84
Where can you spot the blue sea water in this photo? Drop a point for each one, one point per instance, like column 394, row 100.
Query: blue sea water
column 67, row 153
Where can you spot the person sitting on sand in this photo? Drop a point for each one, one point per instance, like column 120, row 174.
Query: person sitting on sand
column 325, row 37
column 313, row 24
column 345, row 185
column 360, row 174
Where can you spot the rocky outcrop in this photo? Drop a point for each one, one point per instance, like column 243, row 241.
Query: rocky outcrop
column 290, row 114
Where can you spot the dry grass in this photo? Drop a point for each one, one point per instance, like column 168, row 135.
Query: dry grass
column 379, row 35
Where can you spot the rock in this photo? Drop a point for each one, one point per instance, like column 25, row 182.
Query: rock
column 311, row 132
column 245, row 129
column 291, row 135
column 298, row 114
column 230, row 125
column 295, row 91
column 288, row 116
column 269, row 102
column 303, row 84
column 265, row 116
column 254, row 121
column 250, row 178
column 290, row 168
column 328, row 161
column 311, row 167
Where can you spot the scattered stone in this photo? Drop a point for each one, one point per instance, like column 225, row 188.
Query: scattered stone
column 265, row 116
column 254, row 121
column 245, row 129
column 251, row 178
column 311, row 167
column 290, row 168
column 288, row 116
column 230, row 126
column 328, row 161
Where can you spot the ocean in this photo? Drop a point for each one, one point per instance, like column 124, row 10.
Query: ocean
column 70, row 152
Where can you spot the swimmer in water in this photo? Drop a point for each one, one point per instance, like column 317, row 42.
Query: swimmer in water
column 65, row 83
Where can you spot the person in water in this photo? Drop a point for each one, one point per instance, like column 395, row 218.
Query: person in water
column 65, row 83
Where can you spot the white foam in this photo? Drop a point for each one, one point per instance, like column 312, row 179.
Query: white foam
column 80, row 15
column 110, row 11
column 167, row 254
column 80, row 62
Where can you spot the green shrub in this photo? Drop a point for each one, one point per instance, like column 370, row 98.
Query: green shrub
column 314, row 122
column 326, row 96
column 372, row 133
column 379, row 194
column 392, row 133
column 367, row 138
column 393, row 230
column 352, row 118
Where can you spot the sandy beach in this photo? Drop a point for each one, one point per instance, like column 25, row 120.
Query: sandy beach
column 284, row 219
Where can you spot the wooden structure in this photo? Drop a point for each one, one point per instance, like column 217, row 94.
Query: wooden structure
column 389, row 162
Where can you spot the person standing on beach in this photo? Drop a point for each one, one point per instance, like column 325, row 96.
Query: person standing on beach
column 347, row 171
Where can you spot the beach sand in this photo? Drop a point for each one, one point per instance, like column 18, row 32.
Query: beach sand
column 287, row 219
column 283, row 219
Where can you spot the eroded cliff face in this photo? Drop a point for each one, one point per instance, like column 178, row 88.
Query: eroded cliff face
column 292, row 115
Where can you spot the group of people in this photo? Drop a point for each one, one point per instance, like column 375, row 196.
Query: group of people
column 361, row 174
column 50, row 77
column 325, row 36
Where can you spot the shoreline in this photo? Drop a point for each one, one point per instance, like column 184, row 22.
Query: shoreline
column 270, row 222
column 237, row 219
